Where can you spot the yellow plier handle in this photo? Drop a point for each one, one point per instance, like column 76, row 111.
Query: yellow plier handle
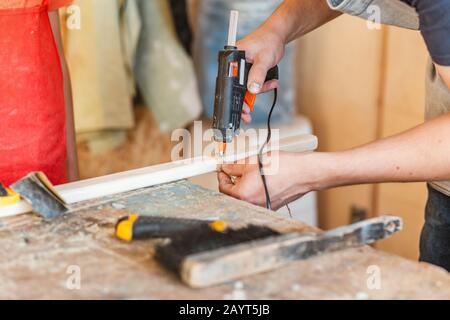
column 8, row 197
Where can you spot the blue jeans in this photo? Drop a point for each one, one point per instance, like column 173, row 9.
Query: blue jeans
column 435, row 237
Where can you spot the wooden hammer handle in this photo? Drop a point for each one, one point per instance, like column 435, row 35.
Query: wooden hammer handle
column 229, row 263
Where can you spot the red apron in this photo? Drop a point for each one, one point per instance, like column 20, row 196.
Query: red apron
column 32, row 109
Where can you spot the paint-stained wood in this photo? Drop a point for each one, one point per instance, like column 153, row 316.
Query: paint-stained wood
column 38, row 258
column 218, row 266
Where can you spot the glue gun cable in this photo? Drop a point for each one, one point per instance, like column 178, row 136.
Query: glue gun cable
column 260, row 155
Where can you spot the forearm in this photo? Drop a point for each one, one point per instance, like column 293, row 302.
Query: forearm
column 295, row 18
column 419, row 154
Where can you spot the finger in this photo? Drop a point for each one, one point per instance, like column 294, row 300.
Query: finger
column 246, row 109
column 256, row 76
column 234, row 169
column 226, row 185
column 247, row 161
column 246, row 118
column 246, row 46
column 239, row 167
column 270, row 85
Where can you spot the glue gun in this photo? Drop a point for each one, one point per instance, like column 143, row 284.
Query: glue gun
column 231, row 89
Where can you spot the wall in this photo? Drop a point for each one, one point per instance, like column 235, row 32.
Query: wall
column 358, row 85
column 402, row 107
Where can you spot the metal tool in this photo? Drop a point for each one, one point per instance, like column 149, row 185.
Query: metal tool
column 39, row 192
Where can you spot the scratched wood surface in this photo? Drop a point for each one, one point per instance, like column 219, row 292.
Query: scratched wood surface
column 36, row 257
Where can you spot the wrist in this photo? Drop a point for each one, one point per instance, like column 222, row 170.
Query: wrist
column 342, row 169
column 280, row 25
column 320, row 170
column 270, row 31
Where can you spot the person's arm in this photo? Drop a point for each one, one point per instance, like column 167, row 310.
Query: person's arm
column 265, row 46
column 444, row 72
column 419, row 154
column 70, row 123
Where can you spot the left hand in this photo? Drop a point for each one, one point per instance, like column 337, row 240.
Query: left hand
column 296, row 176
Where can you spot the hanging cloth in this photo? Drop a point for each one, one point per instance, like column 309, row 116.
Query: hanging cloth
column 163, row 70
column 181, row 21
column 101, row 91
column 32, row 109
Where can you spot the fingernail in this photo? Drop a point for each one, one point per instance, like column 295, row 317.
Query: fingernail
column 254, row 88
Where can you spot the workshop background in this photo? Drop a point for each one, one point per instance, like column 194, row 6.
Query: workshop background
column 142, row 68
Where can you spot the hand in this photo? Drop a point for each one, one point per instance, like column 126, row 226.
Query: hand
column 263, row 48
column 297, row 175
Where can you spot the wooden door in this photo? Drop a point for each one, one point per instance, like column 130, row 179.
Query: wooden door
column 358, row 85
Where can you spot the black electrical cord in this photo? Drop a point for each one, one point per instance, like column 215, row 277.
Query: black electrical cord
column 260, row 154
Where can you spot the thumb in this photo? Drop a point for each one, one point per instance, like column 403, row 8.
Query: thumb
column 226, row 186
column 234, row 169
column 257, row 76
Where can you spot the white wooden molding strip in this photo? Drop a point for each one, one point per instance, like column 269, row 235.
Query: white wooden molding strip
column 15, row 209
column 168, row 172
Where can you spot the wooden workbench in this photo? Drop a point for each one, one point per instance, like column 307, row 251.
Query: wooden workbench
column 36, row 256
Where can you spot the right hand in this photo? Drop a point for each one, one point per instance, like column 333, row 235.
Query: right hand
column 264, row 49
